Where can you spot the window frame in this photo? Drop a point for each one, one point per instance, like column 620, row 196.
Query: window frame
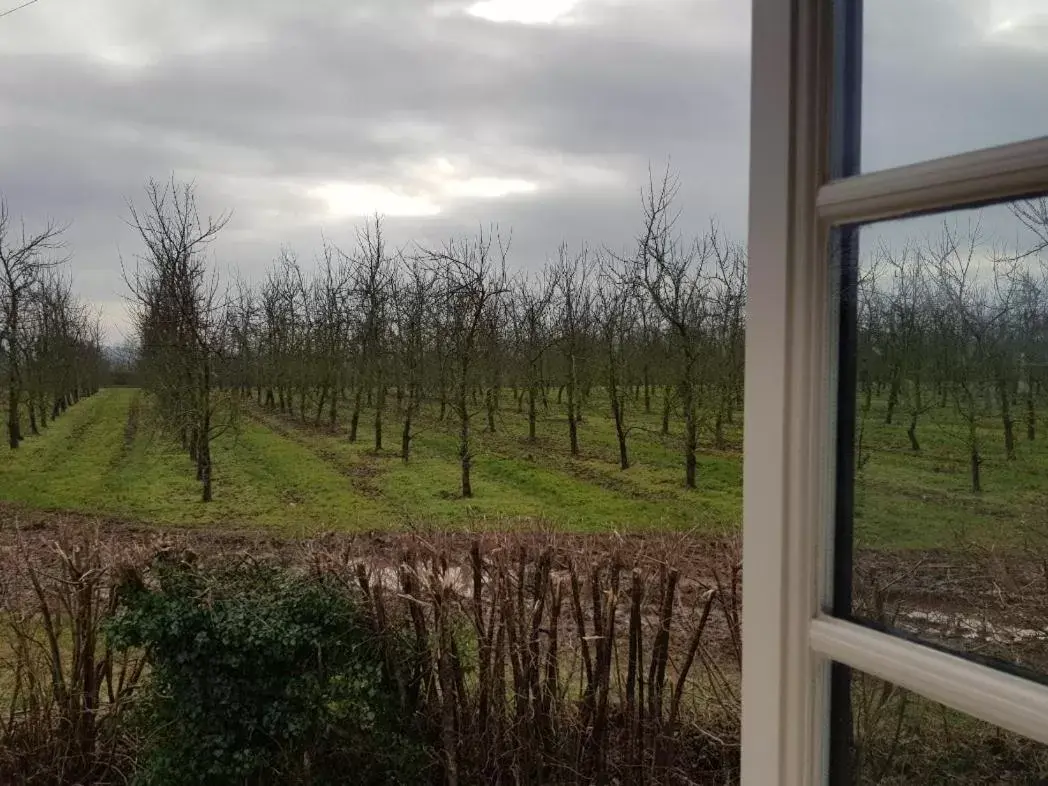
column 790, row 640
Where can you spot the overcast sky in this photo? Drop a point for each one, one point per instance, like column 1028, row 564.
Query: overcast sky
column 538, row 115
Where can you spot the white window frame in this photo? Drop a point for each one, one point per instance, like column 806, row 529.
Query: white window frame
column 788, row 639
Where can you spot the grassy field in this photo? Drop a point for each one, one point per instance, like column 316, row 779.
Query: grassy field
column 924, row 500
column 277, row 472
column 106, row 457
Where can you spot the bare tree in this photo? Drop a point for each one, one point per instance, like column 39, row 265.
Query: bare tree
column 725, row 282
column 413, row 294
column 471, row 272
column 181, row 317
column 672, row 274
column 373, row 289
column 531, row 306
column 616, row 317
column 24, row 256
column 572, row 273
column 1033, row 214
column 968, row 316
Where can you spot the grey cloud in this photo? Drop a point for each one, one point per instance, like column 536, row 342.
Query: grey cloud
column 302, row 94
column 939, row 80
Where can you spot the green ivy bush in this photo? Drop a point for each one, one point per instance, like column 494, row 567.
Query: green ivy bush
column 260, row 676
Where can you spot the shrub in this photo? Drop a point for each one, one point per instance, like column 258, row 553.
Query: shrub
column 261, row 676
column 64, row 693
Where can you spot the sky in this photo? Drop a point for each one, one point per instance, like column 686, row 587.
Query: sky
column 539, row 116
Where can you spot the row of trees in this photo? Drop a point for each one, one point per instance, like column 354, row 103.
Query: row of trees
column 958, row 323
column 50, row 344
column 380, row 332
column 372, row 337
column 454, row 327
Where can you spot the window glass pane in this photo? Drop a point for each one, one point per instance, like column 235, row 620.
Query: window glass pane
column 950, row 462
column 899, row 737
column 949, row 77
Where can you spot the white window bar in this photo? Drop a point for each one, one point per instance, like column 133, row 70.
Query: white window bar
column 991, row 175
column 996, row 697
column 784, row 685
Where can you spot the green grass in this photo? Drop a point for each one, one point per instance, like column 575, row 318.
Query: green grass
column 281, row 473
column 87, row 462
column 277, row 472
column 515, row 481
column 924, row 500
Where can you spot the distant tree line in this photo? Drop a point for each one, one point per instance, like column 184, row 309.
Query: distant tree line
column 50, row 343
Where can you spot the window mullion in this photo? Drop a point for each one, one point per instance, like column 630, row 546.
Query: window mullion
column 985, row 693
column 783, row 681
column 992, row 175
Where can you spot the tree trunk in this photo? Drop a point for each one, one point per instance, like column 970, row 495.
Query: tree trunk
column 532, row 394
column 202, row 438
column 354, row 420
column 918, row 406
column 667, row 402
column 647, row 389
column 14, row 434
column 489, row 401
column 573, row 419
column 405, row 435
column 205, row 470
column 380, row 405
column 973, row 446
column 573, row 426
column 465, row 457
column 333, row 408
column 691, row 442
column 893, row 394
column 620, row 432
column 1006, row 419
column 911, row 432
column 1031, row 412
column 320, row 406
column 32, row 420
